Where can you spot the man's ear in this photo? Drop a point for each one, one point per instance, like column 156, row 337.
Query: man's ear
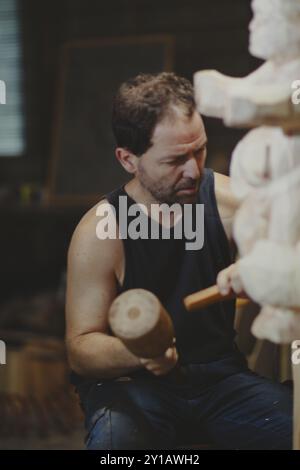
column 127, row 159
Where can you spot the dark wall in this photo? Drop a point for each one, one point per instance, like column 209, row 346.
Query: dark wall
column 208, row 34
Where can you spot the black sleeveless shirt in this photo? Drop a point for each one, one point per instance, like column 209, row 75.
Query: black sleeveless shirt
column 166, row 268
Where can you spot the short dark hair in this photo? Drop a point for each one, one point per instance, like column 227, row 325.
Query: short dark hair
column 142, row 102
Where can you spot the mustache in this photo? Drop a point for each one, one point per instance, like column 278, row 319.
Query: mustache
column 191, row 185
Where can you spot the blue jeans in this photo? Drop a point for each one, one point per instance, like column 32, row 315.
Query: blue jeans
column 229, row 410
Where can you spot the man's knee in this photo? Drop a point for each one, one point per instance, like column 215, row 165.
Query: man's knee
column 118, row 427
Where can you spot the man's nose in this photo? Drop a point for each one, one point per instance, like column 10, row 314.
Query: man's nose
column 191, row 169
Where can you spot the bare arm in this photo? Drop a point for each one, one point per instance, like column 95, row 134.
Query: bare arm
column 228, row 279
column 227, row 203
column 91, row 288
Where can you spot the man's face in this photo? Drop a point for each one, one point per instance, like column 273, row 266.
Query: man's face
column 172, row 167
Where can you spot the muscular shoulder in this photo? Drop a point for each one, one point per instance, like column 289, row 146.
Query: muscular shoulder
column 226, row 202
column 87, row 246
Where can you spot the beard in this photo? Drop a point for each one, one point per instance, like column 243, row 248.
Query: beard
column 164, row 193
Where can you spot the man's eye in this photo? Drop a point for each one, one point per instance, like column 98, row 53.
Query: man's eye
column 201, row 151
column 177, row 161
column 181, row 158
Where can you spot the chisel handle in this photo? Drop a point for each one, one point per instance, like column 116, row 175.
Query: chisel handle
column 206, row 297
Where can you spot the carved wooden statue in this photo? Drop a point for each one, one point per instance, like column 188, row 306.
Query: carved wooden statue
column 265, row 171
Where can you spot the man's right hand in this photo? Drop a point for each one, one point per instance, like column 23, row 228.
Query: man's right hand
column 163, row 364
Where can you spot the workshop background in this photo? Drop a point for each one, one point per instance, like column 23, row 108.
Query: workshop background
column 60, row 60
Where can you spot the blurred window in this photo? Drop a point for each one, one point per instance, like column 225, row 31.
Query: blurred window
column 12, row 118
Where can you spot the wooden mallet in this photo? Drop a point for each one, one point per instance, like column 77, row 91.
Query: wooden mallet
column 140, row 321
column 138, row 318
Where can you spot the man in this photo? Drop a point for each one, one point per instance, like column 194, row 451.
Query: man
column 137, row 403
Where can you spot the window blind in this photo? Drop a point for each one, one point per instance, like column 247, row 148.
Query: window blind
column 12, row 112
